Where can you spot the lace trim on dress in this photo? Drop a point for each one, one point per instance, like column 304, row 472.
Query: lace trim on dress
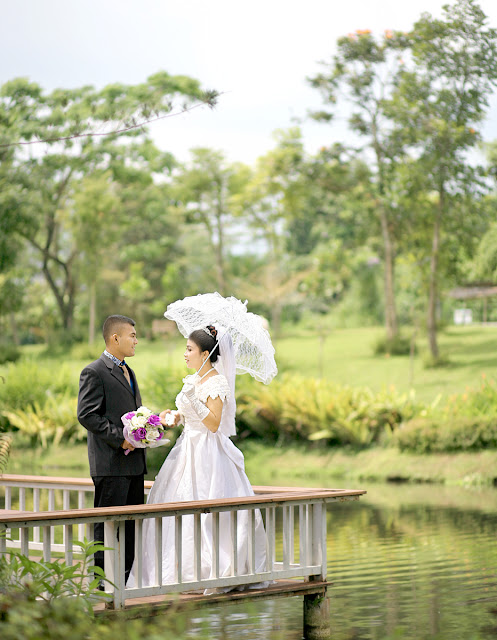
column 214, row 387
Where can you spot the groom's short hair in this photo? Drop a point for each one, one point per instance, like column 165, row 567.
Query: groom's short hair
column 113, row 325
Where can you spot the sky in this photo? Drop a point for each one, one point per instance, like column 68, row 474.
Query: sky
column 257, row 53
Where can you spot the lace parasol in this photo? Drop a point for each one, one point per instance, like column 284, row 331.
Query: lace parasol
column 253, row 350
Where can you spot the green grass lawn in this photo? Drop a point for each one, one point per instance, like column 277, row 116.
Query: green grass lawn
column 347, row 358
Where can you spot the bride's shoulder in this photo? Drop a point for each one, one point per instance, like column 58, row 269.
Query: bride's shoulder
column 215, row 386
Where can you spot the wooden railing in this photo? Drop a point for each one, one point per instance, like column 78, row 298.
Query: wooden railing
column 294, row 518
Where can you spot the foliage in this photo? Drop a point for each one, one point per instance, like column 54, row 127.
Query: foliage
column 9, row 353
column 57, row 202
column 50, row 423
column 466, row 421
column 42, row 600
column 5, row 442
column 436, row 362
column 436, row 434
column 481, row 401
column 47, row 581
column 296, row 408
column 28, row 383
column 162, row 385
column 364, row 73
column 440, row 100
column 399, row 345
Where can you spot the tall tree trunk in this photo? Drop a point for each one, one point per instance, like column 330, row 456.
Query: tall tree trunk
column 276, row 309
column 13, row 327
column 219, row 245
column 388, row 248
column 92, row 313
column 388, row 255
column 433, row 289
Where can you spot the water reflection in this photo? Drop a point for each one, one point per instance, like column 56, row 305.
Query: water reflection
column 411, row 562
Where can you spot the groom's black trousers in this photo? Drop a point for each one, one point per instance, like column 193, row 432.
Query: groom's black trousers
column 117, row 491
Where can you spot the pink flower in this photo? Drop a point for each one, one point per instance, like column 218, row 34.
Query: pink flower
column 130, row 415
column 154, row 420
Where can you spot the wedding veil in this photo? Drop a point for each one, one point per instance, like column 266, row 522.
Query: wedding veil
column 226, row 365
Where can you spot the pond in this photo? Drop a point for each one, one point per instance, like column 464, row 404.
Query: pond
column 411, row 562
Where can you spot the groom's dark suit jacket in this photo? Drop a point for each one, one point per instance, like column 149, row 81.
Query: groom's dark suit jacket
column 104, row 396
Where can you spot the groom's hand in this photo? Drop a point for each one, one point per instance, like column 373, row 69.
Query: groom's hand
column 127, row 445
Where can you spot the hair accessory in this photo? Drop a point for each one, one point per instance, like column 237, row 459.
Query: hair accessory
column 212, row 330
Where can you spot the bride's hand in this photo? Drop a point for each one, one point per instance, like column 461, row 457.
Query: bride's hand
column 167, row 412
column 162, row 416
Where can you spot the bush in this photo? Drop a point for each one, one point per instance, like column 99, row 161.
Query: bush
column 9, row 353
column 431, row 362
column 42, row 600
column 481, row 401
column 296, row 408
column 50, row 423
column 5, row 443
column 84, row 351
column 161, row 386
column 436, row 435
column 400, row 345
column 27, row 383
column 53, row 601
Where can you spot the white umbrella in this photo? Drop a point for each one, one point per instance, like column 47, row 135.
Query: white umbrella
column 253, row 350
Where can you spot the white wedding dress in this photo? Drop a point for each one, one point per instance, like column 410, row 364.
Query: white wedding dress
column 202, row 465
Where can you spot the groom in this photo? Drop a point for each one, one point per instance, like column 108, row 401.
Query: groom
column 107, row 390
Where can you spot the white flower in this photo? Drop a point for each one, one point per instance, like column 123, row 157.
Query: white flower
column 139, row 421
column 152, row 434
column 143, row 411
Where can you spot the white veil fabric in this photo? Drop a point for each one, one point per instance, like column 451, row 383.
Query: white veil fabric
column 226, row 365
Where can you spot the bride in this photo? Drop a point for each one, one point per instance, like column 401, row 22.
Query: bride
column 203, row 464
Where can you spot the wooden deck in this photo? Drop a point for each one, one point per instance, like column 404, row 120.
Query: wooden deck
column 295, row 527
column 156, row 605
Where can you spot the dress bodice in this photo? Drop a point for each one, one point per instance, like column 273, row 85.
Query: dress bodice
column 214, row 387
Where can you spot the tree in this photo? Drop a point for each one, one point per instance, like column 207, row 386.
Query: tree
column 73, row 120
column 95, row 226
column 438, row 105
column 272, row 192
column 367, row 70
column 204, row 189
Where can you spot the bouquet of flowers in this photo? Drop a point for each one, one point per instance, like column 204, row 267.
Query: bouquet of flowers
column 143, row 429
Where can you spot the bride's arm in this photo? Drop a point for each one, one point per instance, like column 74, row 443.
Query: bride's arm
column 213, row 419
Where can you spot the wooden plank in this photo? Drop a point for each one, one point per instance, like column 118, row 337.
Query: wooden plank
column 155, row 605
column 172, row 508
column 57, row 480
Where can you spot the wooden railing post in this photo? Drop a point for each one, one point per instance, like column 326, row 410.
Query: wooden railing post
column 317, row 605
column 115, row 538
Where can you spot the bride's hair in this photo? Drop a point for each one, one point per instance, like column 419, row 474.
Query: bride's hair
column 205, row 339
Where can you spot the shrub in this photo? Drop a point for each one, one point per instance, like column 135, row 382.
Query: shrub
column 9, row 353
column 48, row 581
column 84, row 351
column 463, row 433
column 28, row 383
column 161, row 386
column 399, row 345
column 49, row 423
column 481, row 401
column 431, row 362
column 296, row 408
column 5, row 442
column 53, row 601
